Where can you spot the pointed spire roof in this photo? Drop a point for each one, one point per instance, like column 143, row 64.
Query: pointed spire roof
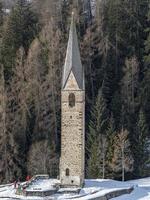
column 73, row 59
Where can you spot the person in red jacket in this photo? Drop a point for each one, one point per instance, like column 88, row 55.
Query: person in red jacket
column 28, row 178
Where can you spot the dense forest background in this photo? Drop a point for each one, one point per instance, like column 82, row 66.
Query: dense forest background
column 114, row 40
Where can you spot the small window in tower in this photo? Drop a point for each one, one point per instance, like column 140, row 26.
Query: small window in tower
column 67, row 172
column 71, row 100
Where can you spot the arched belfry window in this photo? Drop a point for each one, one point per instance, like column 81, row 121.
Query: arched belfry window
column 67, row 172
column 71, row 100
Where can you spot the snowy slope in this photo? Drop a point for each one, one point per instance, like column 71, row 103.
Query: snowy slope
column 93, row 188
column 141, row 191
column 98, row 187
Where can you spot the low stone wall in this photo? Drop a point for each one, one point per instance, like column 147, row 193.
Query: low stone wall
column 114, row 194
column 40, row 193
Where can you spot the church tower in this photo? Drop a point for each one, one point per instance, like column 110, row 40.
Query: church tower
column 72, row 115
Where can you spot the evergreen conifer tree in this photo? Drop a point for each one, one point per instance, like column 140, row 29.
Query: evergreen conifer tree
column 97, row 139
column 142, row 152
column 101, row 114
column 1, row 13
column 93, row 160
column 109, row 155
column 147, row 43
column 145, row 87
column 1, row 21
column 20, row 30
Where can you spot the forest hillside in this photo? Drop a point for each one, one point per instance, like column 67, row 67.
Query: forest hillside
column 115, row 49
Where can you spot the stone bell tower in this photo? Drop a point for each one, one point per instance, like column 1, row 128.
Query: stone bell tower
column 72, row 115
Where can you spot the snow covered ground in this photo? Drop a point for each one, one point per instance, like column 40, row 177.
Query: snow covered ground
column 141, row 190
column 93, row 188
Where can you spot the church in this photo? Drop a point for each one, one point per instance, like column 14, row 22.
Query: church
column 72, row 115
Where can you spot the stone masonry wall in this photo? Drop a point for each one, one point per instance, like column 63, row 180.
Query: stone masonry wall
column 72, row 139
column 113, row 194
